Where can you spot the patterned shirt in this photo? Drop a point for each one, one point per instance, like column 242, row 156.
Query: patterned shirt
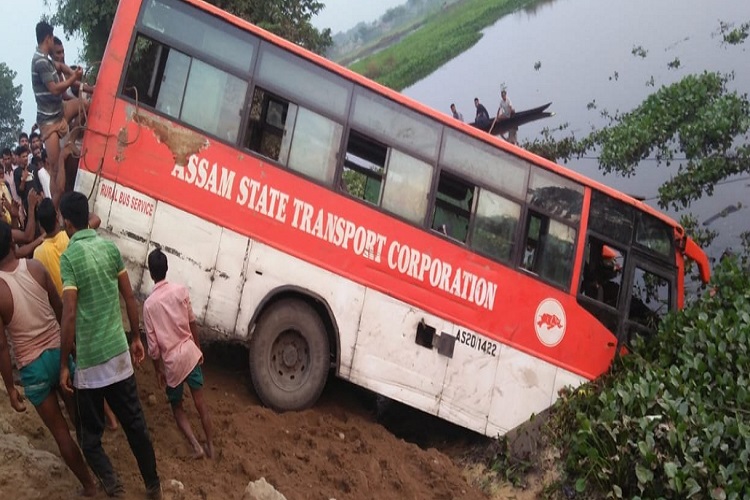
column 91, row 265
column 49, row 107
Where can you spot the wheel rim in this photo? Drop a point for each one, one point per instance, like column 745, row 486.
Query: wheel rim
column 290, row 360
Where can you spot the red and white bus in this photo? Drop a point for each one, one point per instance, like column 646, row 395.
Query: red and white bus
column 333, row 225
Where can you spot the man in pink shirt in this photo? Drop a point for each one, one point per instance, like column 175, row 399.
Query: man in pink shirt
column 173, row 345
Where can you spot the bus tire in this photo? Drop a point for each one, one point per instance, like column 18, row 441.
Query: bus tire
column 289, row 356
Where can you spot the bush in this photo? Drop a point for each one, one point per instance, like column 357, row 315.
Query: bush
column 672, row 419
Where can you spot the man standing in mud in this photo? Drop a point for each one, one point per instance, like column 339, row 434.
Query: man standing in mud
column 94, row 277
column 30, row 311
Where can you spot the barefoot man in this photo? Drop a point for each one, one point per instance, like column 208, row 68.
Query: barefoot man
column 30, row 312
column 173, row 345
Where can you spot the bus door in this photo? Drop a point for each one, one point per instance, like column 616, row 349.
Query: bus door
column 651, row 294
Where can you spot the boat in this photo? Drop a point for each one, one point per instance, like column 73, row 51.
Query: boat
column 519, row 118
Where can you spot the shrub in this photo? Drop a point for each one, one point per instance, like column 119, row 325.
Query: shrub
column 672, row 419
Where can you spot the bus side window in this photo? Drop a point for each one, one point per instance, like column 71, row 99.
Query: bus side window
column 549, row 249
column 364, row 168
column 267, row 124
column 495, row 225
column 454, row 201
column 185, row 88
column 387, row 177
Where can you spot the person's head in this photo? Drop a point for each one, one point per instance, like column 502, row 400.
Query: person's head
column 7, row 158
column 476, row 101
column 6, row 239
column 74, row 208
column 22, row 156
column 503, row 93
column 47, row 216
column 35, row 140
column 23, row 139
column 453, row 107
column 157, row 265
column 58, row 51
column 44, row 34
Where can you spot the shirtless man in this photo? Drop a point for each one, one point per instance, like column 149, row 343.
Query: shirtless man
column 30, row 313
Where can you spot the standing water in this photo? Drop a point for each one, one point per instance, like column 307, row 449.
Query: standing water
column 587, row 56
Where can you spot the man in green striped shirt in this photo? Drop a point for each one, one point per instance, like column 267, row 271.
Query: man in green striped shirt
column 93, row 278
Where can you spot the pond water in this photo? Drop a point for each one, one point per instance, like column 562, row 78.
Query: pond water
column 578, row 52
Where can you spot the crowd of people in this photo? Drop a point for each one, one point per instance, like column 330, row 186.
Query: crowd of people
column 62, row 336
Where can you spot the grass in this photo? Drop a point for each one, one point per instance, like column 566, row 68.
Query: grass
column 441, row 37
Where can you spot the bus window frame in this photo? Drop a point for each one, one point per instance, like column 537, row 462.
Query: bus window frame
column 644, row 261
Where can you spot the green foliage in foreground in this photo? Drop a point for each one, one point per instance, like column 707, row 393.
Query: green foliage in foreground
column 671, row 420
column 443, row 36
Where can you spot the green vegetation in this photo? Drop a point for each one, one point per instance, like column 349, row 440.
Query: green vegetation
column 672, row 419
column 11, row 122
column 443, row 36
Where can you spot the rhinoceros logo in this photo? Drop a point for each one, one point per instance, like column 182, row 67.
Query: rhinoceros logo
column 549, row 322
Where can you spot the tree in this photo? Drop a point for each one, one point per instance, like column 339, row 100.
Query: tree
column 11, row 122
column 290, row 19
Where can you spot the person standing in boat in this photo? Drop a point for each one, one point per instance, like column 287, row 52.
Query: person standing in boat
column 456, row 114
column 483, row 117
column 505, row 110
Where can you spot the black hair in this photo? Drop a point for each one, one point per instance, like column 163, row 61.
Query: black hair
column 47, row 215
column 6, row 239
column 34, row 134
column 74, row 207
column 21, row 150
column 43, row 30
column 157, row 265
column 453, row 104
column 7, row 151
column 22, row 135
column 476, row 99
column 57, row 41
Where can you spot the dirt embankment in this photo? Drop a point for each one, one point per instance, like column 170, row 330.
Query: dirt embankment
column 335, row 450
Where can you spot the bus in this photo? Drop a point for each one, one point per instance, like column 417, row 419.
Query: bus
column 336, row 227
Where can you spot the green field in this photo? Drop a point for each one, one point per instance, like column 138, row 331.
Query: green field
column 441, row 37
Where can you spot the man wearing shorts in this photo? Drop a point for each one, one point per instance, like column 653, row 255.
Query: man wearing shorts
column 173, row 345
column 30, row 311
column 52, row 114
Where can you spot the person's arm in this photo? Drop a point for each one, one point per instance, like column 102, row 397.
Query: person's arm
column 60, row 87
column 30, row 230
column 153, row 348
column 68, row 323
column 94, row 221
column 136, row 346
column 6, row 369
column 26, row 251
column 68, row 334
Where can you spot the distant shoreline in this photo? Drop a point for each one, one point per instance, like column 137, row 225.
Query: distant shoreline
column 410, row 53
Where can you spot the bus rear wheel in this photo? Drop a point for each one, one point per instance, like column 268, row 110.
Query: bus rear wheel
column 289, row 356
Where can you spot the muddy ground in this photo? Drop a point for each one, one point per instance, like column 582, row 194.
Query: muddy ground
column 349, row 446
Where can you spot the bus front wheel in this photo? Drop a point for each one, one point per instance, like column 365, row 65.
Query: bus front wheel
column 289, row 356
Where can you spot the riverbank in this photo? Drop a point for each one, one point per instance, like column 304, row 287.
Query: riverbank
column 433, row 42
